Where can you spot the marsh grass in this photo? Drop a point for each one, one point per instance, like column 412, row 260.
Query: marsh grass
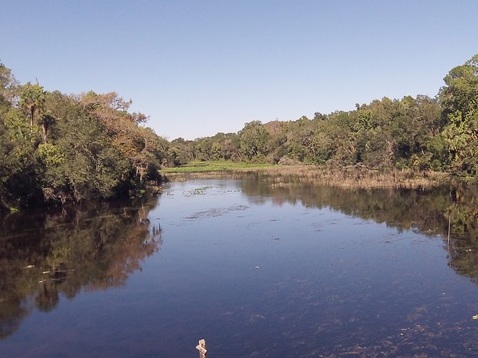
column 213, row 166
column 360, row 177
column 348, row 177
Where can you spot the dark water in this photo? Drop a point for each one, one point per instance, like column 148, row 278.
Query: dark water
column 257, row 267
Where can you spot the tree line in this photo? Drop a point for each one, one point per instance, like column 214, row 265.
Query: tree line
column 417, row 133
column 58, row 148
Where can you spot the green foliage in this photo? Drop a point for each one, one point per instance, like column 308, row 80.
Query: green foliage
column 32, row 101
column 61, row 148
column 8, row 86
column 83, row 163
column 50, row 155
column 385, row 134
column 459, row 99
column 58, row 148
column 253, row 141
column 18, row 181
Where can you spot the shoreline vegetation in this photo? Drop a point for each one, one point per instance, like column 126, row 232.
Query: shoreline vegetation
column 348, row 177
column 58, row 149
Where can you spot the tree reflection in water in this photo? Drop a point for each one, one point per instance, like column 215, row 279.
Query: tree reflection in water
column 448, row 212
column 47, row 255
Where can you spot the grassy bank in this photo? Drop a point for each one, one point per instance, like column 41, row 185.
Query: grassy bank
column 214, row 166
column 348, row 177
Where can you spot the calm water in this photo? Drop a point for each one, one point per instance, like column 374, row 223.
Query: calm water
column 257, row 269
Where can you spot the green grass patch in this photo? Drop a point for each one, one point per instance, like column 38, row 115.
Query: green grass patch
column 214, row 166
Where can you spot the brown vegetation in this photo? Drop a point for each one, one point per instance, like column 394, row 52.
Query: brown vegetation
column 347, row 177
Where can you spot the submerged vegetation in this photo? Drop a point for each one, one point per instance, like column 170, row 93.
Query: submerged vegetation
column 58, row 149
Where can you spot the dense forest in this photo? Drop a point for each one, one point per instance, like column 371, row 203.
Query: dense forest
column 57, row 148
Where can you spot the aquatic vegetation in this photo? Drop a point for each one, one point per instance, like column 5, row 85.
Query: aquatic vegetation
column 197, row 191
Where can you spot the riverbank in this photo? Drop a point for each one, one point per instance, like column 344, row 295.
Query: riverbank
column 347, row 177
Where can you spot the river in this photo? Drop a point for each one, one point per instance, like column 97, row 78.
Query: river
column 258, row 267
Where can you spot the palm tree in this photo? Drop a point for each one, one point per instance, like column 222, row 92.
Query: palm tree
column 32, row 100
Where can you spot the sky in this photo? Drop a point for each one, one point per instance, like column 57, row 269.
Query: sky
column 199, row 67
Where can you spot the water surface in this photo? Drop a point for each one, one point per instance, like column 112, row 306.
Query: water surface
column 258, row 270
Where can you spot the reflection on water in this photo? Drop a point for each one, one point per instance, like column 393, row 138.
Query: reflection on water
column 258, row 266
column 44, row 256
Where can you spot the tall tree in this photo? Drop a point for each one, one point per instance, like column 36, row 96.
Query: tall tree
column 254, row 140
column 459, row 99
column 8, row 85
column 32, row 100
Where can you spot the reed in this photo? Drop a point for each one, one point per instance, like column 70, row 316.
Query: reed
column 348, row 177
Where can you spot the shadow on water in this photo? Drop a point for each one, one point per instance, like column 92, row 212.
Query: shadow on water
column 45, row 255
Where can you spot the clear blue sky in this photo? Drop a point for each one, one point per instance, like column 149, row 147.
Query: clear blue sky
column 202, row 67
